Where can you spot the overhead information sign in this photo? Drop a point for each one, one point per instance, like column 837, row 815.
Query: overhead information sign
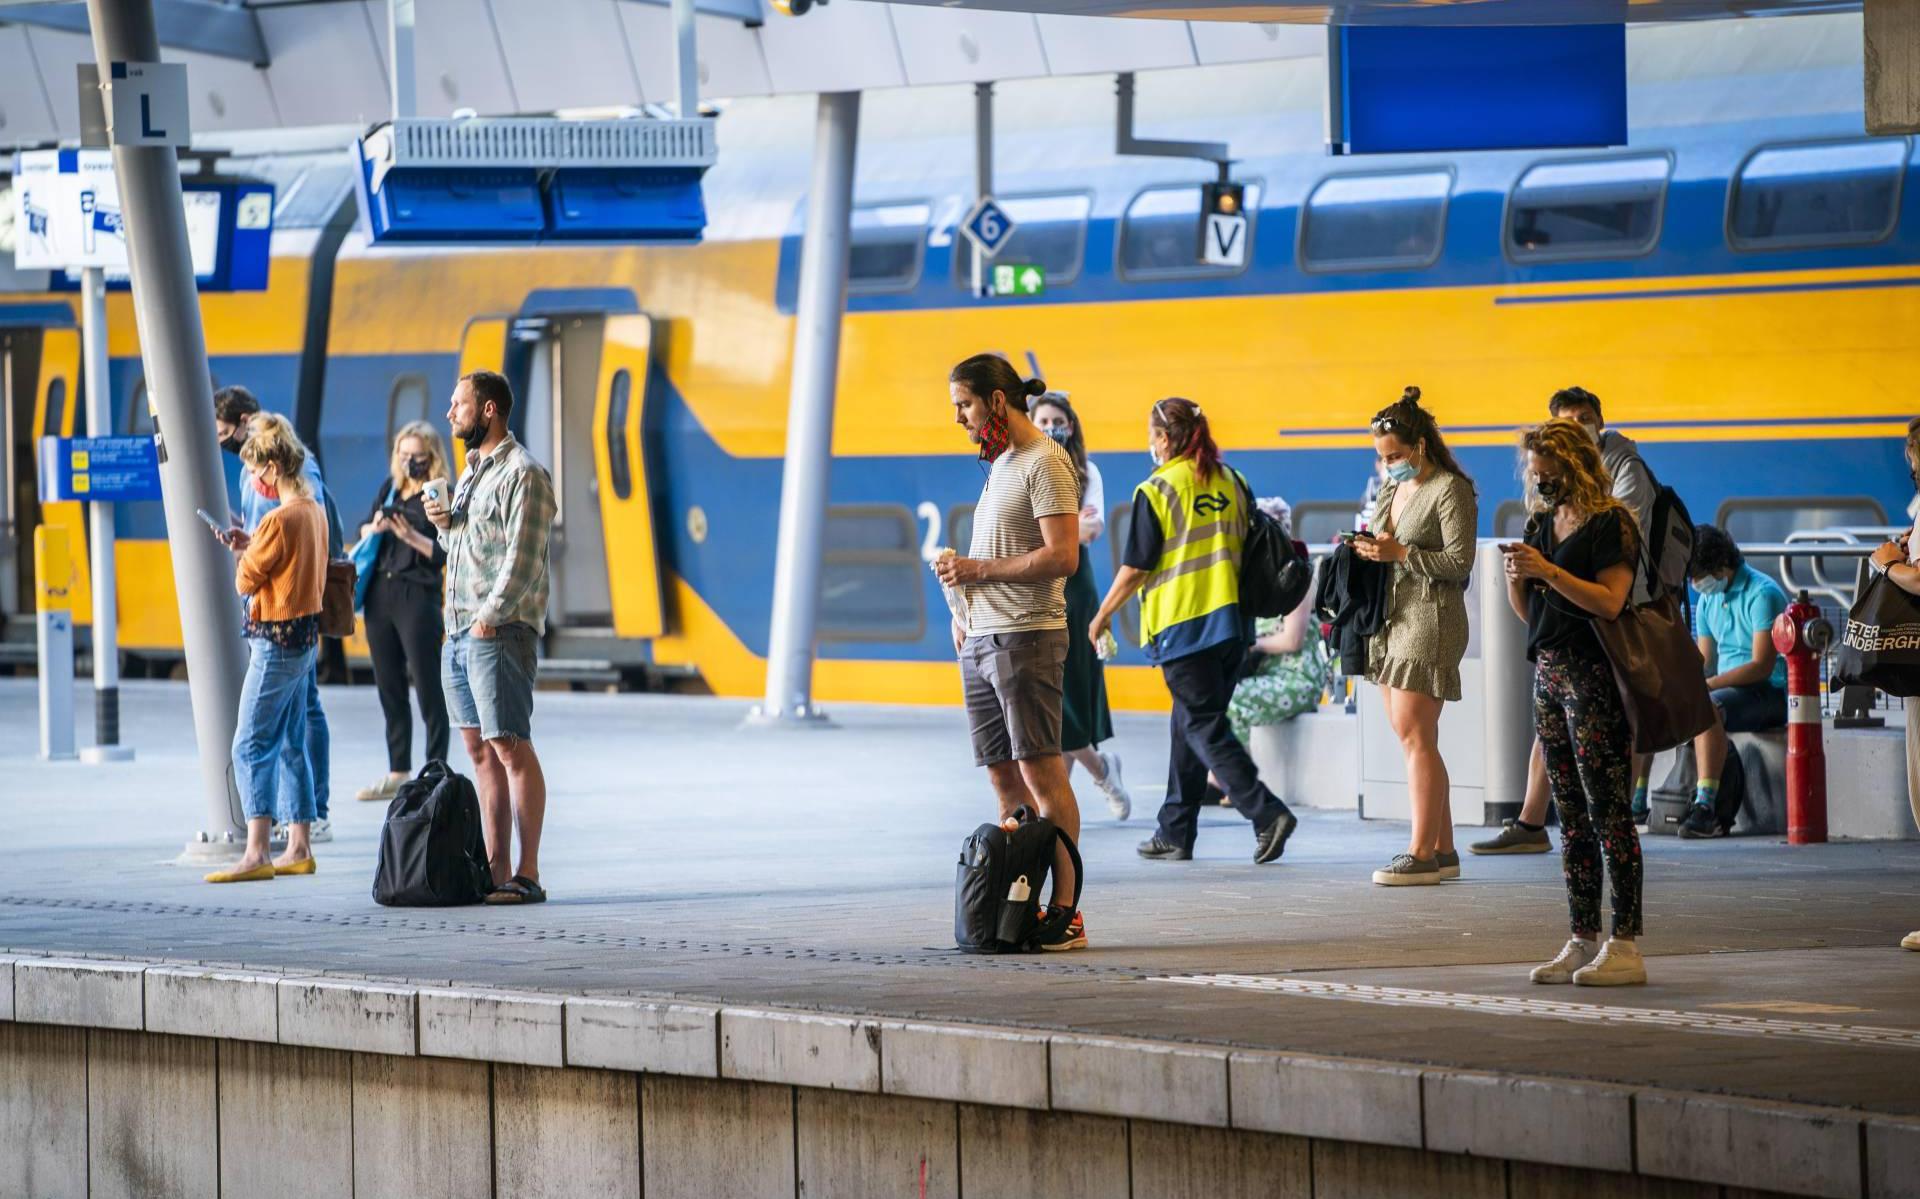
column 99, row 468
column 67, row 217
column 988, row 226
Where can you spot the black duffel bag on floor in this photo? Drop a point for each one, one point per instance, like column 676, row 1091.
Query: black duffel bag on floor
column 432, row 854
column 1880, row 647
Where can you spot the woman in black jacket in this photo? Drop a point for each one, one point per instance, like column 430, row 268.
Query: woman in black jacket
column 403, row 621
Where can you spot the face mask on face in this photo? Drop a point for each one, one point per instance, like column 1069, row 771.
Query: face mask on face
column 1552, row 492
column 417, row 465
column 1402, row 471
column 995, row 437
column 1062, row 434
column 1593, row 431
column 232, row 443
column 268, row 491
column 1711, row 585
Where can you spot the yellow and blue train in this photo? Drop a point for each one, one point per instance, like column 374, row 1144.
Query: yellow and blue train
column 1744, row 296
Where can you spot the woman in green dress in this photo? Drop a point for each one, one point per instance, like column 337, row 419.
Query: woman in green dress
column 1085, row 721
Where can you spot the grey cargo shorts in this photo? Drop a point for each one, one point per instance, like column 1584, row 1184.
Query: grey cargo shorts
column 1012, row 683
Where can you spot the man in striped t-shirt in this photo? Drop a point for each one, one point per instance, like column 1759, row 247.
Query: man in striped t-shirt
column 1012, row 584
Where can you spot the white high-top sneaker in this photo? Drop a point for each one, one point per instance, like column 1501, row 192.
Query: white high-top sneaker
column 1575, row 955
column 1619, row 965
column 1118, row 801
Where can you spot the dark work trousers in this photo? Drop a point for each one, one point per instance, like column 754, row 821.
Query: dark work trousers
column 1202, row 686
column 404, row 631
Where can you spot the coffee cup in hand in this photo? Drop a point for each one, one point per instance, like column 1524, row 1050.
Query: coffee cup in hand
column 435, row 491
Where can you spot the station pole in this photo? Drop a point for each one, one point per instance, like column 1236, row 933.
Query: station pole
column 687, row 59
column 173, row 349
column 982, row 171
column 106, row 610
column 816, row 364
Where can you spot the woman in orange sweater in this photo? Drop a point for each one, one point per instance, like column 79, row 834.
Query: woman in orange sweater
column 282, row 569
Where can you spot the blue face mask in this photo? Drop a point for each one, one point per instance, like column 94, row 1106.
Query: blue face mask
column 1061, row 434
column 1402, row 471
column 1711, row 585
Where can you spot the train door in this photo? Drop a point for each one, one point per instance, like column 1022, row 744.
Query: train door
column 626, row 506
column 562, row 370
column 39, row 377
column 57, row 398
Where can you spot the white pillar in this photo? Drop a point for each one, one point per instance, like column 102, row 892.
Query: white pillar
column 687, row 59
column 816, row 363
column 106, row 611
column 1507, row 684
column 400, row 58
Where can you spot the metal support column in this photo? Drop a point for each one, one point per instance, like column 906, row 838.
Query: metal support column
column 1336, row 107
column 173, row 349
column 816, row 363
column 982, row 170
column 687, row 63
column 106, row 610
column 400, row 58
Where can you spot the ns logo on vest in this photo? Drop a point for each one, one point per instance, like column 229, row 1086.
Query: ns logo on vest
column 1209, row 505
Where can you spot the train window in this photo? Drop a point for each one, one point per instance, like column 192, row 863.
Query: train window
column 139, row 416
column 1510, row 519
column 1160, row 233
column 889, row 241
column 619, row 400
column 1318, row 522
column 1752, row 520
column 1049, row 232
column 960, row 527
column 406, row 403
column 1119, row 529
column 1375, row 222
column 56, row 406
column 1598, row 209
column 871, row 586
column 1819, row 194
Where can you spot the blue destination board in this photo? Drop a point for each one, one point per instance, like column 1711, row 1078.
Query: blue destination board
column 107, row 469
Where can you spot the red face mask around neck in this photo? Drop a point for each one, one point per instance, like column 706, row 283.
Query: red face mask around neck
column 995, row 437
column 268, row 491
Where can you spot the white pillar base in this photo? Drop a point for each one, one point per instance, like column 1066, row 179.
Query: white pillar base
column 212, row 849
column 96, row 754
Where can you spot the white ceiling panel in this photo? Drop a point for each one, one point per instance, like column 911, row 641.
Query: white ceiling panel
column 568, row 55
column 456, row 58
column 956, row 45
column 24, row 115
column 1097, row 45
column 57, row 54
column 1230, row 41
column 327, row 68
column 731, row 64
column 846, row 46
column 225, row 94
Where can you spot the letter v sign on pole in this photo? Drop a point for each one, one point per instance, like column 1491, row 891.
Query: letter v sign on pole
column 1225, row 240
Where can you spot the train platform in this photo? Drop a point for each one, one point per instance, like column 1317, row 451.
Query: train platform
column 693, row 860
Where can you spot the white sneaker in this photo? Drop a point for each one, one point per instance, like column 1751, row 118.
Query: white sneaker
column 321, row 830
column 1619, row 965
column 1118, row 801
column 1577, row 953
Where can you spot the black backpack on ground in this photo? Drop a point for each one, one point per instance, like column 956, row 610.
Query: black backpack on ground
column 1670, row 801
column 431, row 851
column 1275, row 571
column 1000, row 886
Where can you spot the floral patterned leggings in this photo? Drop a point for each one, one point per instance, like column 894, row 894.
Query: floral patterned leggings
column 1589, row 754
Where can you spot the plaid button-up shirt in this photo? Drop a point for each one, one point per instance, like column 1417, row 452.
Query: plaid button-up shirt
column 497, row 539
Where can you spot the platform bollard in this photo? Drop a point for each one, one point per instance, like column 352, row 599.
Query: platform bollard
column 53, row 605
column 1800, row 634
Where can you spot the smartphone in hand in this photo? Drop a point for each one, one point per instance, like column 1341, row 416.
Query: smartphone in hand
column 212, row 524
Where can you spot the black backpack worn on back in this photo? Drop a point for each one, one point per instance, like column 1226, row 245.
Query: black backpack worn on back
column 999, row 886
column 431, row 851
column 1275, row 571
column 1669, row 541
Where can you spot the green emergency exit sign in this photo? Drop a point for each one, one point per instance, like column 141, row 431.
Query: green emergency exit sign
column 1018, row 279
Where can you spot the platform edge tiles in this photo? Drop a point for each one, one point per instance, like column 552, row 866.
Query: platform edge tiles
column 913, row 1084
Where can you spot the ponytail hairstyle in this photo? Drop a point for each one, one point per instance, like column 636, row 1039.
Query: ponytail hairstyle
column 1076, row 444
column 1188, row 434
column 1406, row 420
column 271, row 440
column 984, row 374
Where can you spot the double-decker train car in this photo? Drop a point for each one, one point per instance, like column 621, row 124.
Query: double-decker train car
column 1740, row 284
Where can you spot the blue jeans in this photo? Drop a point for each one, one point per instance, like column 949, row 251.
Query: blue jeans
column 269, row 746
column 489, row 683
column 319, row 743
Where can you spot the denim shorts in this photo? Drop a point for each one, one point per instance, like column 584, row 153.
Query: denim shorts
column 1013, row 688
column 489, row 682
column 1753, row 708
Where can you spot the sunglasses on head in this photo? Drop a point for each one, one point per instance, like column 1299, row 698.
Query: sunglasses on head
column 1384, row 425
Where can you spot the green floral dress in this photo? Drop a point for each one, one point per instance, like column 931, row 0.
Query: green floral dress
column 1282, row 686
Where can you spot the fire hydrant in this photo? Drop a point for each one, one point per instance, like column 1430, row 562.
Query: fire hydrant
column 1801, row 635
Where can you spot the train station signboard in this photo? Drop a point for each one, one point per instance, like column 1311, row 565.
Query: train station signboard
column 101, row 469
column 988, row 226
column 1018, row 279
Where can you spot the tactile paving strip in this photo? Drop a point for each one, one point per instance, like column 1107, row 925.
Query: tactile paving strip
column 1552, row 1009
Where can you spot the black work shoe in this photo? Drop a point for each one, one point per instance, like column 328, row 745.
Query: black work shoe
column 1164, row 851
column 1270, row 842
column 1700, row 823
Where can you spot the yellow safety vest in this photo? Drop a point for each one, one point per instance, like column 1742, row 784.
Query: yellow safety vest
column 1191, row 599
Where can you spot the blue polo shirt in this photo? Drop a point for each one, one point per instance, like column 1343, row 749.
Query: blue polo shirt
column 1732, row 618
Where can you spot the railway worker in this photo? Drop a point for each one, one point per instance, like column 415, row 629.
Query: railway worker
column 1013, row 646
column 1423, row 529
column 404, row 624
column 1085, row 719
column 1577, row 564
column 496, row 527
column 1183, row 552
column 282, row 570
column 1634, row 486
column 234, row 411
column 1899, row 560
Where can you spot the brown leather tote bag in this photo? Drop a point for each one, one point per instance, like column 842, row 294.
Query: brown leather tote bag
column 336, row 599
column 1659, row 671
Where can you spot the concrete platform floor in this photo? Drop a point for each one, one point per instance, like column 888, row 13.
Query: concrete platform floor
column 687, row 856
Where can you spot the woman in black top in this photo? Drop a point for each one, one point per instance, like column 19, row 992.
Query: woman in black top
column 403, row 621
column 1577, row 564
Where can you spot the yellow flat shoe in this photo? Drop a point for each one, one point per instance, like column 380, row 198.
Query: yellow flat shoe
column 1911, row 941
column 259, row 874
column 303, row 866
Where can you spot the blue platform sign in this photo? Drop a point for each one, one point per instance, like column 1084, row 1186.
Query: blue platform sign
column 988, row 226
column 106, row 469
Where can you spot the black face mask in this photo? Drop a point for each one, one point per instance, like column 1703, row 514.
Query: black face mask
column 1553, row 492
column 417, row 466
column 232, row 444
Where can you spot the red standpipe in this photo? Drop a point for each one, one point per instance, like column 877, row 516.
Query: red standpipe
column 1799, row 634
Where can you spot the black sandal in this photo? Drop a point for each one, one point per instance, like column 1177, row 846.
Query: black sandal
column 518, row 889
